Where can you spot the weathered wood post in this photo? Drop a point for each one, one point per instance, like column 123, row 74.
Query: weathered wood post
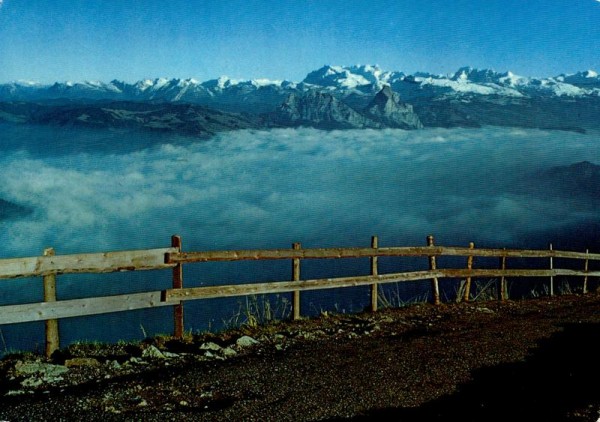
column 432, row 266
column 52, row 336
column 374, row 271
column 586, row 269
column 551, row 269
column 502, row 284
column 469, row 267
column 177, row 284
column 296, row 277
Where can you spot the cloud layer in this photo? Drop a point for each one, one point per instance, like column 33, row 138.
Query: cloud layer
column 269, row 188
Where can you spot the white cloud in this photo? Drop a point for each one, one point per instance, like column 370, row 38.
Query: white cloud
column 269, row 188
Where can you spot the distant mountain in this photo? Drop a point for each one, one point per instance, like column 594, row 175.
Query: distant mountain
column 387, row 108
column 320, row 110
column 468, row 97
column 323, row 110
column 311, row 108
column 577, row 183
column 181, row 118
column 579, row 179
column 345, row 80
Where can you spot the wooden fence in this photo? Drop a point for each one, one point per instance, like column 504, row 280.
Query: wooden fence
column 173, row 258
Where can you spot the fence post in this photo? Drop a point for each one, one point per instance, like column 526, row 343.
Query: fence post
column 551, row 277
column 177, row 284
column 502, row 285
column 469, row 267
column 585, row 268
column 52, row 336
column 374, row 271
column 296, row 277
column 434, row 281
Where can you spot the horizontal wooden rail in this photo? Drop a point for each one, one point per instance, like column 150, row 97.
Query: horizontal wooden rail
column 173, row 295
column 106, row 262
column 333, row 253
column 207, row 292
column 101, row 305
column 11, row 314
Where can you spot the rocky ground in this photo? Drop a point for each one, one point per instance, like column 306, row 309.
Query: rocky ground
column 516, row 360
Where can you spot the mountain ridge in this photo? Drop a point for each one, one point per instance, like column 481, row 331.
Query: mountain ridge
column 469, row 97
column 361, row 78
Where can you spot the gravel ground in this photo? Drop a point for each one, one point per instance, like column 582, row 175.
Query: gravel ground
column 517, row 360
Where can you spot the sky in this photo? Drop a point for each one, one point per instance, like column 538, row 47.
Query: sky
column 129, row 40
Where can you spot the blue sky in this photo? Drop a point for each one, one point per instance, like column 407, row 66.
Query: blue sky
column 61, row 40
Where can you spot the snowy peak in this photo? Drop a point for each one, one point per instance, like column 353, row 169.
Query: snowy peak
column 342, row 78
column 344, row 81
column 220, row 83
column 485, row 76
column 588, row 79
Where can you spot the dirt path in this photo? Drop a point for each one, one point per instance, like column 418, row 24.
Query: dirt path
column 528, row 360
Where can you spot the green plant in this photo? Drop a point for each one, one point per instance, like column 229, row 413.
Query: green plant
column 544, row 290
column 259, row 310
column 392, row 298
column 565, row 288
column 486, row 290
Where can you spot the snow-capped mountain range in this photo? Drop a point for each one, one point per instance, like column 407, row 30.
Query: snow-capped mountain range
column 336, row 96
column 362, row 79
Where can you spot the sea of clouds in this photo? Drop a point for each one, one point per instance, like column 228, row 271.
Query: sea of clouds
column 100, row 191
column 258, row 189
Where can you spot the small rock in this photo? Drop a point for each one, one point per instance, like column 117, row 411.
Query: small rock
column 111, row 409
column 183, row 403
column 44, row 369
column 228, row 352
column 31, row 382
column 214, row 347
column 113, row 364
column 484, row 310
column 246, row 341
column 152, row 352
column 136, row 361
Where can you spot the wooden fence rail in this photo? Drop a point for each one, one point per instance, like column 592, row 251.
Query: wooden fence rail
column 334, row 253
column 50, row 265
